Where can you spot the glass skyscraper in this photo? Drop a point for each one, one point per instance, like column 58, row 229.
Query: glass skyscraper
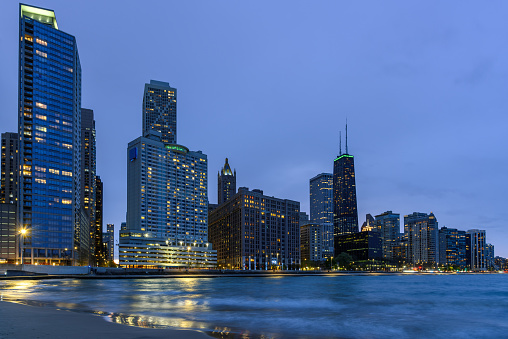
column 49, row 128
column 345, row 210
column 159, row 110
column 321, row 208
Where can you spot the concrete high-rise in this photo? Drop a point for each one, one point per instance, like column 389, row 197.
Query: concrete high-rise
column 167, row 206
column 88, row 171
column 159, row 110
column 345, row 210
column 9, row 168
column 9, row 237
column 226, row 184
column 255, row 231
column 49, row 202
column 421, row 233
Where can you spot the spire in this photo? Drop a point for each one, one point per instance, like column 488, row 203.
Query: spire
column 227, row 170
column 346, row 138
column 340, row 142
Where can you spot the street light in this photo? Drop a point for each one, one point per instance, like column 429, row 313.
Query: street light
column 188, row 249
column 22, row 233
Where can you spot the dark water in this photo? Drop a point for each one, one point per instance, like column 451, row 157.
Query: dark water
column 373, row 306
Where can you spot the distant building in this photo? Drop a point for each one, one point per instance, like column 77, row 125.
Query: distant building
column 88, row 178
column 477, row 249
column 321, row 209
column 255, row 231
column 98, row 255
column 303, row 218
column 226, row 182
column 311, row 242
column 159, row 110
column 369, row 224
column 9, row 168
column 49, row 126
column 110, row 251
column 123, row 226
column 388, row 226
column 361, row 246
column 489, row 256
column 345, row 209
column 452, row 247
column 500, row 263
column 9, row 233
column 421, row 233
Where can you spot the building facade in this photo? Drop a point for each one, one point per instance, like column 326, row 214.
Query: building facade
column 452, row 247
column 50, row 142
column 9, row 237
column 88, row 173
column 345, row 210
column 98, row 253
column 256, row 232
column 159, row 110
column 388, row 226
column 311, row 243
column 110, row 252
column 9, row 168
column 321, row 209
column 421, row 233
column 167, row 200
column 477, row 247
column 226, row 184
column 361, row 246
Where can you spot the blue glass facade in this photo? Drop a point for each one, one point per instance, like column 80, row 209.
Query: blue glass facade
column 49, row 129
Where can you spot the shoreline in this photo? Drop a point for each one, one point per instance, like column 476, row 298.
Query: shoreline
column 26, row 321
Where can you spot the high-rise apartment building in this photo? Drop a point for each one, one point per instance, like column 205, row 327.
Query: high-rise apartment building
column 489, row 255
column 421, row 233
column 167, row 206
column 88, row 171
column 110, row 254
column 226, row 182
column 49, row 196
column 98, row 254
column 452, row 247
column 321, row 209
column 477, row 245
column 345, row 210
column 9, row 168
column 159, row 110
column 388, row 226
column 255, row 231
column 311, row 243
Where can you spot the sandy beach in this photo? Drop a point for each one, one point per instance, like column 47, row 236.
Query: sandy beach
column 22, row 321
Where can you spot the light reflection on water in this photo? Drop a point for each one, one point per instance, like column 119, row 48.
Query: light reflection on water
column 377, row 306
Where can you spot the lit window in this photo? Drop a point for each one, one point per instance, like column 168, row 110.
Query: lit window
column 41, row 42
column 41, row 105
column 42, row 54
column 66, row 201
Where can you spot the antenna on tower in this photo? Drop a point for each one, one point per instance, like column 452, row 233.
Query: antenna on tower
column 346, row 137
column 340, row 142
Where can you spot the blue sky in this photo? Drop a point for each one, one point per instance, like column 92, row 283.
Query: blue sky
column 269, row 85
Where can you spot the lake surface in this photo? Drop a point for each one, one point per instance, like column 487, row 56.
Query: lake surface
column 370, row 306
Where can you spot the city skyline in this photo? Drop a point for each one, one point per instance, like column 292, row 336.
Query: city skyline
column 434, row 167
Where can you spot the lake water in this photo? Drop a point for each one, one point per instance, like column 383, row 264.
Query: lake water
column 370, row 306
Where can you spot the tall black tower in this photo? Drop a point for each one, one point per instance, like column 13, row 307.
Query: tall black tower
column 345, row 210
column 226, row 182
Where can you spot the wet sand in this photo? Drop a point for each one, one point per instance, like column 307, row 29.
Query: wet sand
column 22, row 321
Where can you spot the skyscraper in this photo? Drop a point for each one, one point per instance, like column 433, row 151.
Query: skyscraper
column 9, row 168
column 345, row 209
column 50, row 143
column 452, row 247
column 226, row 182
column 477, row 243
column 388, row 226
column 321, row 209
column 421, row 233
column 98, row 254
column 159, row 110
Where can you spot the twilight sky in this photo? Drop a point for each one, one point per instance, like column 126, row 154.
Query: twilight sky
column 269, row 85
